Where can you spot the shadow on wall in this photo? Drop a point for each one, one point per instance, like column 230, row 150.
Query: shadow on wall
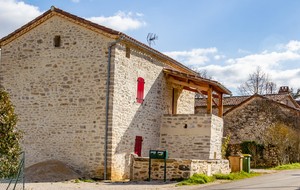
column 143, row 120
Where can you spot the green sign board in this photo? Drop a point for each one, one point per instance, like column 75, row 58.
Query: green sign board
column 158, row 154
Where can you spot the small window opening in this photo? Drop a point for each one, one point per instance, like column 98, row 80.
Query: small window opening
column 127, row 51
column 185, row 126
column 57, row 41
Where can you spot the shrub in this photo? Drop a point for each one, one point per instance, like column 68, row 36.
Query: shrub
column 9, row 137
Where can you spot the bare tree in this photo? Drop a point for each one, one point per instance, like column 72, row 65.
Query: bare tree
column 296, row 94
column 257, row 82
column 204, row 74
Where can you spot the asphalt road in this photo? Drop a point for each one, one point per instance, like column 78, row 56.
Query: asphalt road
column 285, row 180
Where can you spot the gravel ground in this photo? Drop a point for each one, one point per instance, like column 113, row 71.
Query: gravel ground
column 145, row 185
column 130, row 185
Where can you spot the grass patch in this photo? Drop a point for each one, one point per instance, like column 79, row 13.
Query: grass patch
column 196, row 179
column 236, row 176
column 202, row 179
column 287, row 166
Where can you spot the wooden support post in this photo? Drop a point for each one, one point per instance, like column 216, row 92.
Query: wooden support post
column 209, row 100
column 221, row 105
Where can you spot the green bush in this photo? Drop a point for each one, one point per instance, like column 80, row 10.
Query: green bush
column 9, row 137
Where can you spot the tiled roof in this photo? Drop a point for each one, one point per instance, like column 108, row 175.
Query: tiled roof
column 263, row 97
column 97, row 26
column 235, row 100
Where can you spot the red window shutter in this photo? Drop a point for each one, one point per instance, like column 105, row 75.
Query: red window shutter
column 138, row 145
column 140, row 90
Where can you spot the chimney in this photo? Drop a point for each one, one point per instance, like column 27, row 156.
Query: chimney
column 284, row 90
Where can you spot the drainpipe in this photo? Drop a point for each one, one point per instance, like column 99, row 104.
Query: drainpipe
column 107, row 101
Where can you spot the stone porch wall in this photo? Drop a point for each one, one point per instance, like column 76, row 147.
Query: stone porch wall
column 191, row 136
column 176, row 168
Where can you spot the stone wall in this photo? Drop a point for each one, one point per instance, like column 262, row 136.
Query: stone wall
column 131, row 119
column 176, row 168
column 215, row 111
column 60, row 97
column 59, row 93
column 248, row 121
column 191, row 136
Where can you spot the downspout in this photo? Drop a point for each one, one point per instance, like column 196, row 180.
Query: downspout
column 107, row 101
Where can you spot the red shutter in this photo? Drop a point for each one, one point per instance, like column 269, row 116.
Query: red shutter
column 140, row 90
column 138, row 145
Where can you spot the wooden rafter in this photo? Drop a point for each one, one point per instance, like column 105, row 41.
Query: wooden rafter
column 201, row 87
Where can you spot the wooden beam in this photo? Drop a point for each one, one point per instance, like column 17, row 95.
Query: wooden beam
column 214, row 102
column 199, row 91
column 173, row 80
column 195, row 90
column 209, row 100
column 220, row 105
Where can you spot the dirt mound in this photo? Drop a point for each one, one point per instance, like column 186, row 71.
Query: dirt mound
column 50, row 171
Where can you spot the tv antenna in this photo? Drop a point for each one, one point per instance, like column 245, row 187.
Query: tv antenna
column 151, row 37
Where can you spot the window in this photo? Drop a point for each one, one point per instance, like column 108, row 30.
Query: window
column 127, row 51
column 138, row 145
column 57, row 41
column 140, row 90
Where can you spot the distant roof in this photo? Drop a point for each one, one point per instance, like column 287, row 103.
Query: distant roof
column 110, row 32
column 263, row 97
column 235, row 100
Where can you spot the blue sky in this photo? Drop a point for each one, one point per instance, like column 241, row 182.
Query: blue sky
column 227, row 38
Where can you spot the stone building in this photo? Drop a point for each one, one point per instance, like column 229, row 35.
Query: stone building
column 91, row 96
column 246, row 117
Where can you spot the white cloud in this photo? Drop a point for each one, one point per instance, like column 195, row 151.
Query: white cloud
column 121, row 21
column 243, row 51
column 217, row 57
column 76, row 1
column 237, row 71
column 293, row 46
column 194, row 57
column 139, row 14
column 14, row 14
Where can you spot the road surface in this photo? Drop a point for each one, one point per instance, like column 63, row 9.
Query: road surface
column 285, row 180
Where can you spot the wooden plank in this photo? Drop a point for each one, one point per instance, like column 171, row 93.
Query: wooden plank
column 173, row 80
column 220, row 105
column 209, row 100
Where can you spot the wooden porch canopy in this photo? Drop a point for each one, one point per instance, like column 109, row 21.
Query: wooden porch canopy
column 200, row 85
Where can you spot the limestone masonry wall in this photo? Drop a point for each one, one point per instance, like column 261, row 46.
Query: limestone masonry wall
column 248, row 121
column 59, row 93
column 215, row 111
column 176, row 168
column 131, row 119
column 191, row 136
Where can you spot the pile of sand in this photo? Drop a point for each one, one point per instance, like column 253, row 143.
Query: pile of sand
column 50, row 171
